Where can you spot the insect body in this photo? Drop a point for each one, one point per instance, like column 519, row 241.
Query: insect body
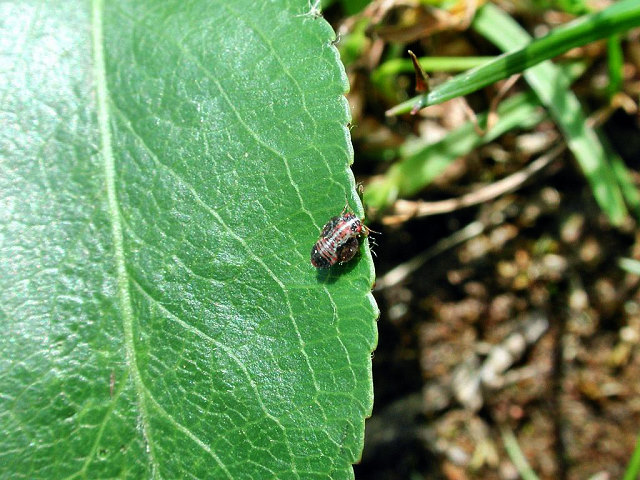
column 338, row 242
column 347, row 251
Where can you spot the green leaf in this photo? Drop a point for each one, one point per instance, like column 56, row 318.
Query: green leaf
column 165, row 170
column 618, row 18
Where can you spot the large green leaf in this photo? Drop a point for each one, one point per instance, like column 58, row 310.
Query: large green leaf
column 165, row 168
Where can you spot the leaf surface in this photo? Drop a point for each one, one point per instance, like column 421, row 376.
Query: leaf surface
column 165, row 168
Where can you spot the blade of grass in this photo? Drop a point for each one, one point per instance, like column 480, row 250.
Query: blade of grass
column 633, row 469
column 614, row 52
column 552, row 87
column 515, row 454
column 396, row 66
column 618, row 18
column 629, row 191
column 421, row 165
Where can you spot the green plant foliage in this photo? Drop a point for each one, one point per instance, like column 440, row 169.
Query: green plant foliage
column 616, row 64
column 420, row 164
column 396, row 66
column 576, row 7
column 633, row 468
column 606, row 175
column 165, row 168
column 618, row 18
column 351, row 7
column 354, row 43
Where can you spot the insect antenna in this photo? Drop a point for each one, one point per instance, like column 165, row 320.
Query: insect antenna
column 369, row 230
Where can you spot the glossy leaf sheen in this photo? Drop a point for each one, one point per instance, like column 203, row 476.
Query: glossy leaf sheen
column 165, row 168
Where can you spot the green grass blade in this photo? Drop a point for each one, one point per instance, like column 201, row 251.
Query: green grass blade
column 552, row 87
column 616, row 60
column 633, row 469
column 618, row 18
column 395, row 66
column 420, row 166
column 627, row 186
column 517, row 455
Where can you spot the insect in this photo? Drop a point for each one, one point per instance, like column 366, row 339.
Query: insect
column 347, row 251
column 338, row 242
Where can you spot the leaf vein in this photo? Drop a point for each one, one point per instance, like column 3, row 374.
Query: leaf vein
column 245, row 246
column 188, row 433
column 102, row 99
column 199, row 333
column 211, row 76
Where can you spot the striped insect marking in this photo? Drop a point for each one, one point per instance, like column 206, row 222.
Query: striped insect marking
column 338, row 242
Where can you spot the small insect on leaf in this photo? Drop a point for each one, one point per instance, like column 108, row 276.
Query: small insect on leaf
column 347, row 251
column 338, row 242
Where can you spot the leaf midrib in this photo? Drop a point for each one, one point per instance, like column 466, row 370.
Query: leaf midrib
column 124, row 295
